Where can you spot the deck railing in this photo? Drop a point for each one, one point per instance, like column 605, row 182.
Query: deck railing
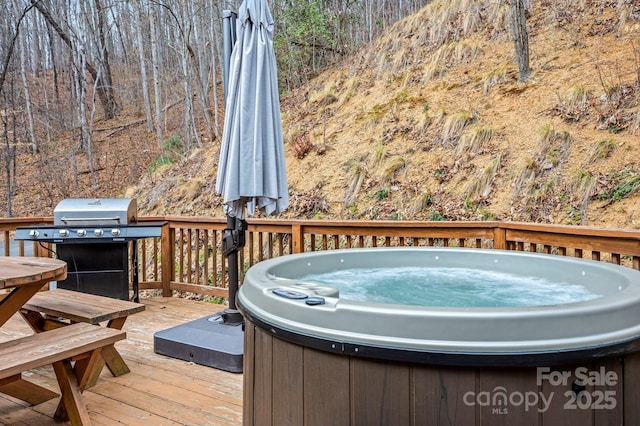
column 188, row 257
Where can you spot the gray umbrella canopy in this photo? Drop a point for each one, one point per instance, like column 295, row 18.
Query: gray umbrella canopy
column 251, row 171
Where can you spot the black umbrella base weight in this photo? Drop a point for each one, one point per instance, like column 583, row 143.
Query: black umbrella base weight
column 206, row 341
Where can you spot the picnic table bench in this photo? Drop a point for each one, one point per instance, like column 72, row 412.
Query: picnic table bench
column 80, row 342
column 57, row 308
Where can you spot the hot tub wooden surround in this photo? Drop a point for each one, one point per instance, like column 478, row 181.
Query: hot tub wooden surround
column 285, row 383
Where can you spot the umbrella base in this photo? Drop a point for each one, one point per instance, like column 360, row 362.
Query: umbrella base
column 206, row 341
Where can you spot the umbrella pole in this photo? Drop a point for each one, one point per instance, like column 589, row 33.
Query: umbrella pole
column 233, row 240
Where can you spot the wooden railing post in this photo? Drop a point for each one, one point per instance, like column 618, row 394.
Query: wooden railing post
column 297, row 238
column 167, row 249
column 499, row 238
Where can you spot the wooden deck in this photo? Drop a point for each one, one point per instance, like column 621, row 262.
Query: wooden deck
column 158, row 390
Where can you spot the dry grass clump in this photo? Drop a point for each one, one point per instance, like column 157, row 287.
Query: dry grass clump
column 453, row 126
column 356, row 172
column 421, row 202
column 473, row 142
column 552, row 149
column 449, row 55
column 394, row 166
column 575, row 106
column 481, row 187
column 379, row 154
column 433, row 71
column 497, row 76
column 582, row 186
column 601, row 150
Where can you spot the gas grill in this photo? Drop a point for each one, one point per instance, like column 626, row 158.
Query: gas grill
column 94, row 235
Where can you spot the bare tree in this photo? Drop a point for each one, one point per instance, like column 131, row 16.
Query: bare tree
column 11, row 47
column 27, row 94
column 104, row 89
column 157, row 94
column 143, row 66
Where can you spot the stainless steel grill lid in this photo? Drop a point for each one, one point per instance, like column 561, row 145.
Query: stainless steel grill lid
column 96, row 220
column 95, row 212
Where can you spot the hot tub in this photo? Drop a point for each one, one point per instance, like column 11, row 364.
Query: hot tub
column 407, row 361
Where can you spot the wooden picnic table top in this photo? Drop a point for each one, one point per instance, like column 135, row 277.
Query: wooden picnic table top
column 20, row 271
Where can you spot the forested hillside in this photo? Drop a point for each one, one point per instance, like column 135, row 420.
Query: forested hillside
column 95, row 94
column 422, row 119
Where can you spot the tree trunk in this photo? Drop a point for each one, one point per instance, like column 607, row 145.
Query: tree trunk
column 7, row 153
column 106, row 80
column 27, row 95
column 156, row 78
column 143, row 68
column 521, row 39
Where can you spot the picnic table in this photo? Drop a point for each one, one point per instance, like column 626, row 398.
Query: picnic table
column 52, row 309
column 82, row 342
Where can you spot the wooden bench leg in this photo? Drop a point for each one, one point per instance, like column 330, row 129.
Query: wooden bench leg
column 72, row 381
column 111, row 356
column 17, row 387
column 114, row 362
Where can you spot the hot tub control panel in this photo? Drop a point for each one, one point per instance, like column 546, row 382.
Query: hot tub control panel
column 289, row 294
column 297, row 295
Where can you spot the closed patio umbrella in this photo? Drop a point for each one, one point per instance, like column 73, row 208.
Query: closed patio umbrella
column 251, row 171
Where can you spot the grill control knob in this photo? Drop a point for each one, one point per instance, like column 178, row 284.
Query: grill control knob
column 115, row 232
column 81, row 232
column 98, row 232
column 34, row 234
column 64, row 232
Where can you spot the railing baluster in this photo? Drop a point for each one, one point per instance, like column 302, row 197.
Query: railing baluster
column 205, row 262
column 155, row 259
column 196, row 245
column 260, row 247
column 214, row 259
column 181, row 249
column 143, row 262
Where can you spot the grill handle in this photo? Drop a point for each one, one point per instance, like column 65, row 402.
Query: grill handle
column 88, row 219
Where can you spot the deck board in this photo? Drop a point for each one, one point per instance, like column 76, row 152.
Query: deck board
column 158, row 390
